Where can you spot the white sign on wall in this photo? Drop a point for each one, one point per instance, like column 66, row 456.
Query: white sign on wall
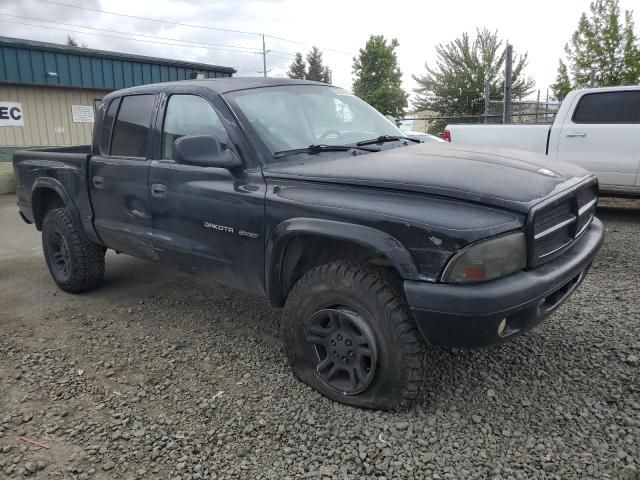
column 11, row 114
column 82, row 113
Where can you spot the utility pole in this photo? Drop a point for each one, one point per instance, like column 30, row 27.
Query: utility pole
column 486, row 102
column 264, row 58
column 592, row 78
column 507, row 85
column 546, row 107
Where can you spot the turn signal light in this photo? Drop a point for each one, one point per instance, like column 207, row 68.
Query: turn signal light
column 475, row 273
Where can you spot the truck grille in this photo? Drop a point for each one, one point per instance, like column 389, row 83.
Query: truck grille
column 554, row 225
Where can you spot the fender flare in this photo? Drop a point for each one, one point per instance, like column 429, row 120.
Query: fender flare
column 47, row 183
column 369, row 237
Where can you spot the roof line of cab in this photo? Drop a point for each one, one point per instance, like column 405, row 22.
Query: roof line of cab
column 218, row 85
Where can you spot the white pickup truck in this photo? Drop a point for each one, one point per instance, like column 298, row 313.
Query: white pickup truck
column 597, row 129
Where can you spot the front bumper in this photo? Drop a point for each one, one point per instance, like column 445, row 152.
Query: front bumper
column 468, row 316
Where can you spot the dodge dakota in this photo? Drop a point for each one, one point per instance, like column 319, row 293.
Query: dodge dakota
column 374, row 245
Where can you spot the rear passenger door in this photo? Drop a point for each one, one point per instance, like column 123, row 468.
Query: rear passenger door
column 119, row 176
column 603, row 136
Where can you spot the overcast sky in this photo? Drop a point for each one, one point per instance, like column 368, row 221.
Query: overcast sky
column 339, row 28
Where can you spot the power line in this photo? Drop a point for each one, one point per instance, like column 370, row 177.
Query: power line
column 98, row 10
column 306, row 44
column 288, row 57
column 174, row 44
column 242, row 49
column 168, row 22
column 252, row 49
column 68, row 30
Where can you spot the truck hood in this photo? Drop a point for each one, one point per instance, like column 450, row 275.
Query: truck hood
column 504, row 178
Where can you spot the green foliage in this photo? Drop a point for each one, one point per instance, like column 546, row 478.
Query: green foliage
column 455, row 87
column 326, row 75
column 71, row 42
column 378, row 80
column 603, row 43
column 314, row 71
column 562, row 85
column 298, row 69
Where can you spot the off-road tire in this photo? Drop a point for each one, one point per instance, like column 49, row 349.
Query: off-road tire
column 86, row 259
column 379, row 300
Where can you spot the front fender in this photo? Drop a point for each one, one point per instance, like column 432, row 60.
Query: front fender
column 362, row 235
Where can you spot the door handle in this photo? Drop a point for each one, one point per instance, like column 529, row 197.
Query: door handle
column 159, row 190
column 98, row 182
column 576, row 134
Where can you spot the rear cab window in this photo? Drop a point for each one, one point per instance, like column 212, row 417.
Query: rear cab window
column 620, row 107
column 131, row 128
column 107, row 126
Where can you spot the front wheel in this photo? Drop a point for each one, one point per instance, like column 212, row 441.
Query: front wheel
column 76, row 264
column 350, row 335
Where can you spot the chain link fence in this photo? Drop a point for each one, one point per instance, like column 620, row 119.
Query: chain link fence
column 522, row 112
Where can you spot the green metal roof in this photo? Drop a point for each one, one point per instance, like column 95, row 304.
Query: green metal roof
column 39, row 63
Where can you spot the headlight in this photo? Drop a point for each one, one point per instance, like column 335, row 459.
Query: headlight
column 488, row 259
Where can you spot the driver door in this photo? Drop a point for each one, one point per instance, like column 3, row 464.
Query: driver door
column 207, row 221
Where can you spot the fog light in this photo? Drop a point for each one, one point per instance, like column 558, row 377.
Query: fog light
column 502, row 326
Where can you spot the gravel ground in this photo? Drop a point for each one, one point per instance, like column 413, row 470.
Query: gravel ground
column 157, row 376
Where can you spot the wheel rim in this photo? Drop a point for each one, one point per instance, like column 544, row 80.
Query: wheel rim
column 345, row 349
column 60, row 256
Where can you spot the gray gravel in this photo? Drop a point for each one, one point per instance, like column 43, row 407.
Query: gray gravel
column 179, row 380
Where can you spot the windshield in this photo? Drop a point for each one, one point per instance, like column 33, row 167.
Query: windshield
column 297, row 116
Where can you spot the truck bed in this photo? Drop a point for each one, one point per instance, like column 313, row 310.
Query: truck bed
column 53, row 167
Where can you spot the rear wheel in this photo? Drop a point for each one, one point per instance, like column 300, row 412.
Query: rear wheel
column 350, row 335
column 76, row 264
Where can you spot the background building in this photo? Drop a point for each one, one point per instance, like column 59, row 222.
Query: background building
column 49, row 92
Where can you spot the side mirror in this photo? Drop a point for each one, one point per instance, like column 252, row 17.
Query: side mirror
column 394, row 120
column 203, row 151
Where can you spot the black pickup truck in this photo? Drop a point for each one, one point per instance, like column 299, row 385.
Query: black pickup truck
column 375, row 246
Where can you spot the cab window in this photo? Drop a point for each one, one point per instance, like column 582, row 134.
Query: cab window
column 609, row 108
column 190, row 115
column 131, row 128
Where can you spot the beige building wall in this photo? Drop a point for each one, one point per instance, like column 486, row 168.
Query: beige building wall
column 47, row 116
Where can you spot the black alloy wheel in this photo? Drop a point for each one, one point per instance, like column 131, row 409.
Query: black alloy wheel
column 345, row 349
column 59, row 251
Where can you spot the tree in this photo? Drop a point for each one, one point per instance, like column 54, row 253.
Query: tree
column 602, row 43
column 316, row 68
column 378, row 79
column 562, row 86
column 298, row 69
column 464, row 68
column 315, row 71
column 326, row 75
column 73, row 43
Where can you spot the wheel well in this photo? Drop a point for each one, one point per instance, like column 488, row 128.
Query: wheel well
column 305, row 252
column 44, row 199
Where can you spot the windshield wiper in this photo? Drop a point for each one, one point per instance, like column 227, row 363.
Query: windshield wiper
column 386, row 138
column 322, row 148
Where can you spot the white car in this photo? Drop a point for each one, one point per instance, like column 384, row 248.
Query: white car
column 597, row 129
